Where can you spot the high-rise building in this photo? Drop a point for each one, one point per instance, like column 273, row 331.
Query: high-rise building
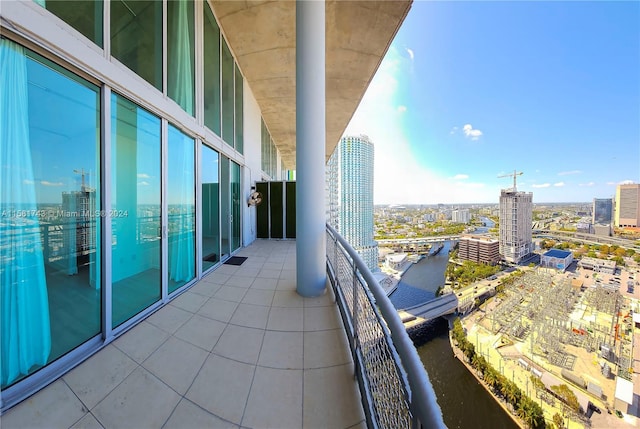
column 602, row 216
column 460, row 216
column 516, row 214
column 627, row 212
column 350, row 195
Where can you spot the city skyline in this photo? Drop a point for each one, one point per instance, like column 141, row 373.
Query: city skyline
column 469, row 91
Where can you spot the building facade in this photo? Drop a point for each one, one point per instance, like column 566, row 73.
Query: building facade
column 460, row 216
column 172, row 114
column 556, row 259
column 516, row 214
column 627, row 211
column 479, row 248
column 350, row 195
column 602, row 219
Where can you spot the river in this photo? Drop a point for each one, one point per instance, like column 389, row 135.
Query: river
column 464, row 402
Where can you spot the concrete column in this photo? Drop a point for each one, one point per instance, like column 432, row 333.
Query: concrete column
column 311, row 272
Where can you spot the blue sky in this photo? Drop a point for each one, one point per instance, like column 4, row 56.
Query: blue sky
column 469, row 91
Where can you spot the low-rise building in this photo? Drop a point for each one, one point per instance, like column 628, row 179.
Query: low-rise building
column 556, row 259
column 479, row 248
column 396, row 261
column 598, row 265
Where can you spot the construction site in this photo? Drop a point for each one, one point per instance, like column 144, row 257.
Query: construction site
column 563, row 328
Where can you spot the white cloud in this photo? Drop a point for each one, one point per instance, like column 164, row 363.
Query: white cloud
column 559, row 184
column 143, row 176
column 28, row 182
column 626, row 182
column 542, row 185
column 473, row 134
column 143, row 183
column 460, row 177
column 587, row 184
column 567, row 173
column 410, row 52
column 47, row 183
column 402, row 108
column 453, row 130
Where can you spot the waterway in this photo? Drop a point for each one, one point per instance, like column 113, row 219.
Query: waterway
column 464, row 402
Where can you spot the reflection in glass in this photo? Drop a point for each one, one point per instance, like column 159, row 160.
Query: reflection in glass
column 238, row 109
column 135, row 210
column 49, row 191
column 136, row 37
column 210, row 213
column 211, row 71
column 180, row 52
column 83, row 15
column 181, row 205
column 227, row 94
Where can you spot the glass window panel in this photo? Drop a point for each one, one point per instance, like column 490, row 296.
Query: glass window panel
column 210, row 207
column 83, row 15
column 238, row 110
column 181, row 208
column 211, row 71
column 235, row 206
column 49, row 191
column 225, row 209
column 136, row 37
column 227, row 94
column 180, row 52
column 135, row 209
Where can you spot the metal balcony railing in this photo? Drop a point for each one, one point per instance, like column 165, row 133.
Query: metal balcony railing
column 395, row 388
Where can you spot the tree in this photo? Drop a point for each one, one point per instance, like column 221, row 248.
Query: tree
column 568, row 397
column 558, row 420
column 537, row 383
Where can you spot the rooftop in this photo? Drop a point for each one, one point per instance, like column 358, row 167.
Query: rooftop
column 240, row 348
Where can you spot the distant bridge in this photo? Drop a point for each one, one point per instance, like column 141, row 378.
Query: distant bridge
column 460, row 302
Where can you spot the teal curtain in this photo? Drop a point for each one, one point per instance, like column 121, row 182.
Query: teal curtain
column 181, row 54
column 182, row 200
column 25, row 332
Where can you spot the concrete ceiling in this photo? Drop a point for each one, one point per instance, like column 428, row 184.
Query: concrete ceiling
column 262, row 36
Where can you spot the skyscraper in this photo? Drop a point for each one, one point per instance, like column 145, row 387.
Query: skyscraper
column 627, row 206
column 350, row 195
column 602, row 216
column 516, row 214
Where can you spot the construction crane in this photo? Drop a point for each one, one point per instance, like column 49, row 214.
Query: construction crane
column 514, row 174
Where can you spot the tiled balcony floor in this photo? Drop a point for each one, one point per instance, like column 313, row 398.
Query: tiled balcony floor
column 239, row 349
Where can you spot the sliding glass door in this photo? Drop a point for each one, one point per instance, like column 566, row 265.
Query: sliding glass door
column 210, row 218
column 181, row 208
column 135, row 209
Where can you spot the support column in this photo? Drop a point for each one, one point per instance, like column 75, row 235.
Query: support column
column 311, row 274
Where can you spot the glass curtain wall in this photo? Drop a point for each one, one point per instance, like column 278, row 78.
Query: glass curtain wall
column 210, row 218
column 136, row 37
column 135, row 211
column 49, row 228
column 181, row 208
column 83, row 15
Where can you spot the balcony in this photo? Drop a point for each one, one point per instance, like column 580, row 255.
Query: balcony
column 242, row 349
column 239, row 348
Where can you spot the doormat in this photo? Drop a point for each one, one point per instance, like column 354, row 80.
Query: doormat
column 235, row 260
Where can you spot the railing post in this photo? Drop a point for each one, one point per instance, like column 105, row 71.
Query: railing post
column 356, row 334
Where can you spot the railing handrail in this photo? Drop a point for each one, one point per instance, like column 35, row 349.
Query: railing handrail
column 423, row 403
